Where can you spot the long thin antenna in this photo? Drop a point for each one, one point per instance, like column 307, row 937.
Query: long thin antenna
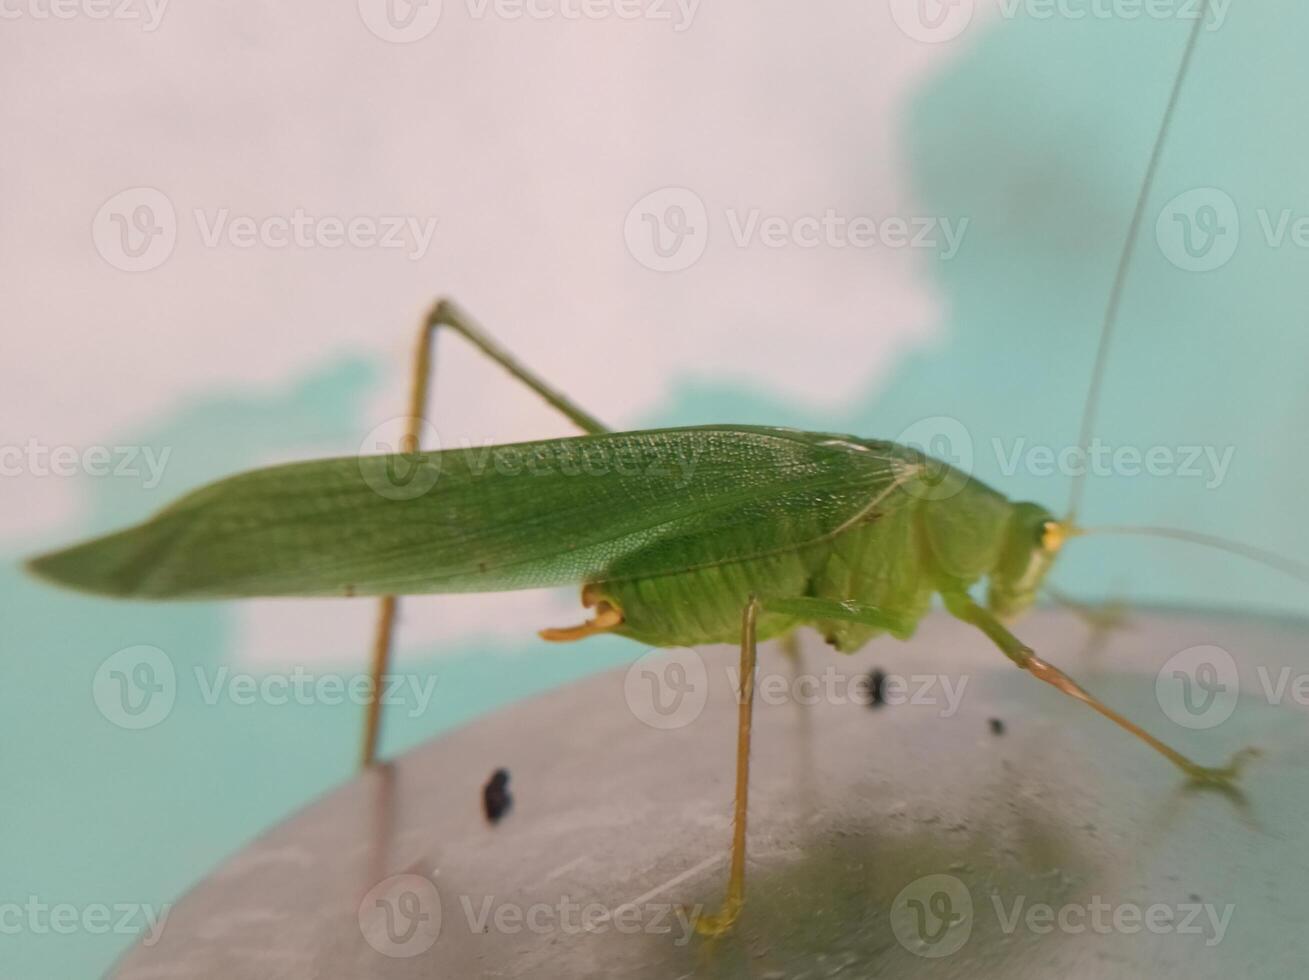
column 1124, row 261
column 1271, row 559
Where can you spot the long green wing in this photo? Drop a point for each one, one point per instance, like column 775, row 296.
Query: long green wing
column 507, row 517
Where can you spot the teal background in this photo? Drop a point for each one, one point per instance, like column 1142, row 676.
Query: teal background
column 1038, row 132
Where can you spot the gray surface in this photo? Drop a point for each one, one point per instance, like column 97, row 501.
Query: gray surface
column 851, row 806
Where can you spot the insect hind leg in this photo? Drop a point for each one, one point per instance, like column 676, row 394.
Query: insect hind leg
column 445, row 314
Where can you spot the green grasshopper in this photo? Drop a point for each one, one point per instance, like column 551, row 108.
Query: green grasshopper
column 764, row 531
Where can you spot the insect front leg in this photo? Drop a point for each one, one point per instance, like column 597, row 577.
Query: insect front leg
column 962, row 606
column 445, row 313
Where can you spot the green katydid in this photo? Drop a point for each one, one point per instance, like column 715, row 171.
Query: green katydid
column 677, row 536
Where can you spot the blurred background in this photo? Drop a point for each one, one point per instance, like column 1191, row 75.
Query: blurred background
column 220, row 226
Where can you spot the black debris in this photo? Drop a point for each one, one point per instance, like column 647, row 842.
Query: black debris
column 873, row 684
column 997, row 726
column 496, row 800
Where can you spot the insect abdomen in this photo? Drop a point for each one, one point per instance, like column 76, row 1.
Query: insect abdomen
column 878, row 562
column 704, row 605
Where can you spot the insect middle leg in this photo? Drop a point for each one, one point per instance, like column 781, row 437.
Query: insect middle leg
column 445, row 313
column 962, row 606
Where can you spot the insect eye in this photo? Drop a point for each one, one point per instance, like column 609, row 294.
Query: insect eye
column 1050, row 535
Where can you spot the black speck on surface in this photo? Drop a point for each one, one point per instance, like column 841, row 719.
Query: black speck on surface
column 874, row 682
column 996, row 725
column 496, row 800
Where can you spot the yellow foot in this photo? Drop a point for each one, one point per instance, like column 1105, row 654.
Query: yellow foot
column 1221, row 778
column 714, row 926
column 605, row 619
